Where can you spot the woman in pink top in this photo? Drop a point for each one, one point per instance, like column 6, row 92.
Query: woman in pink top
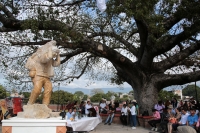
column 156, row 119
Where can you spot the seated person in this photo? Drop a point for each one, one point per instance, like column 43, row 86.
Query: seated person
column 192, row 118
column 87, row 106
column 197, row 125
column 183, row 120
column 4, row 109
column 124, row 113
column 102, row 107
column 74, row 113
column 165, row 119
column 69, row 114
column 177, row 116
column 156, row 119
column 111, row 115
column 172, row 120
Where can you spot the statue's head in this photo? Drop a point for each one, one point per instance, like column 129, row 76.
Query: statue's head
column 49, row 46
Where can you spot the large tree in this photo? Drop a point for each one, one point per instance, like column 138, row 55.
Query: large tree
column 148, row 44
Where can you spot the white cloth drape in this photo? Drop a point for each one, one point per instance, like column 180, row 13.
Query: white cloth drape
column 101, row 4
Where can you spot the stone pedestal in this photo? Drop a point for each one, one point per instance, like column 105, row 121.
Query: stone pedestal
column 22, row 125
column 37, row 111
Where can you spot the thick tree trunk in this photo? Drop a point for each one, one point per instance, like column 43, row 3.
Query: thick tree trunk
column 146, row 96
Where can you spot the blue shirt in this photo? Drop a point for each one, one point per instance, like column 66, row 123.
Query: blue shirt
column 192, row 119
column 69, row 115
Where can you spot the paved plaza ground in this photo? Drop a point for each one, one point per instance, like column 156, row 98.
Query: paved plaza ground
column 114, row 128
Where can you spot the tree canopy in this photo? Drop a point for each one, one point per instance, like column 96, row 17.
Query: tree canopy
column 148, row 44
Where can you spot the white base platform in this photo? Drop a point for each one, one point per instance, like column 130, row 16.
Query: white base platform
column 22, row 125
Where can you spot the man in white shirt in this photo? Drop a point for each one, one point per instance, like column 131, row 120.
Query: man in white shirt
column 183, row 120
column 87, row 106
column 124, row 113
column 103, row 106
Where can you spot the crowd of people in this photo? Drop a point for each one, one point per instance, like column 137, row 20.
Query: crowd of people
column 168, row 115
column 173, row 114
column 128, row 112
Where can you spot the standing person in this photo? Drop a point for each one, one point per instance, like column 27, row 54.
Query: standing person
column 174, row 103
column 156, row 119
column 111, row 115
column 137, row 111
column 159, row 107
column 180, row 104
column 110, row 105
column 82, row 107
column 192, row 118
column 124, row 113
column 116, row 103
column 133, row 116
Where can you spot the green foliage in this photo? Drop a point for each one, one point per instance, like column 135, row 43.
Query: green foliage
column 79, row 94
column 190, row 91
column 97, row 97
column 61, row 97
column 26, row 94
column 2, row 92
column 85, row 97
column 166, row 95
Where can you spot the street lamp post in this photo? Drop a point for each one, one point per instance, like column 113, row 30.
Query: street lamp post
column 58, row 96
column 195, row 85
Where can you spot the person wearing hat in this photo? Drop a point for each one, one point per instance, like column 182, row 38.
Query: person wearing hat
column 124, row 113
column 137, row 111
